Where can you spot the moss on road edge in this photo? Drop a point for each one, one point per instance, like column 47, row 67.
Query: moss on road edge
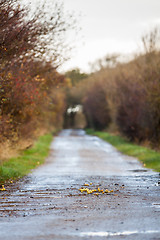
column 149, row 157
column 20, row 166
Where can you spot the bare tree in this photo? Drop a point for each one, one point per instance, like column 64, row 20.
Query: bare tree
column 151, row 41
column 41, row 35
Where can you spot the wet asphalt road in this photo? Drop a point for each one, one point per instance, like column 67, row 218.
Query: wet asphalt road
column 47, row 204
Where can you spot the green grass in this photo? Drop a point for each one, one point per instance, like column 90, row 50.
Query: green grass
column 20, row 166
column 149, row 157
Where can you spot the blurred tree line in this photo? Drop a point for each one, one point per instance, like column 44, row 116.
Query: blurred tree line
column 125, row 97
column 32, row 47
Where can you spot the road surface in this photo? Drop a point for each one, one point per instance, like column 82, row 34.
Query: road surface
column 47, row 204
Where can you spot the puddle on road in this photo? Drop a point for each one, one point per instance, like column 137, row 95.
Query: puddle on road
column 110, row 234
column 139, row 170
column 156, row 205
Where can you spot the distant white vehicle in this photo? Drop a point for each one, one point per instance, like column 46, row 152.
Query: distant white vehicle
column 77, row 108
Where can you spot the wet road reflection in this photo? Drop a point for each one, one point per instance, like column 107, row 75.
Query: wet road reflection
column 47, row 204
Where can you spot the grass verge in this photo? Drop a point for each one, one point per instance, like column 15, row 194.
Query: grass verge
column 20, row 166
column 150, row 158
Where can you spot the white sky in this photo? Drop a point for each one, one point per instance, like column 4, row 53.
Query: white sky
column 110, row 26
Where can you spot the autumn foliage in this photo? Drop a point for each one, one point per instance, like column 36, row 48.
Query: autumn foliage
column 31, row 96
column 125, row 97
column 96, row 107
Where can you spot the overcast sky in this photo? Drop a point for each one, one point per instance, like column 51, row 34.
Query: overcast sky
column 110, row 26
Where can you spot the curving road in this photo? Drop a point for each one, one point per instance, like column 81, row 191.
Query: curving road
column 47, row 204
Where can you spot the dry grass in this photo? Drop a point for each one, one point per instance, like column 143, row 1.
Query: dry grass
column 9, row 149
column 27, row 160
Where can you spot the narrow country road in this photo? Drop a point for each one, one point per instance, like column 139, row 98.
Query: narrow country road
column 48, row 205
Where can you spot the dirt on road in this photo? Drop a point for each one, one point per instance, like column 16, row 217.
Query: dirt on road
column 85, row 190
